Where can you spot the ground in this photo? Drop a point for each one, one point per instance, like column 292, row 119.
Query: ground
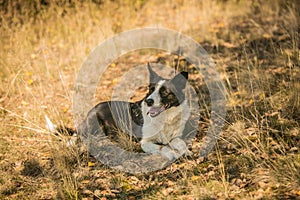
column 255, row 45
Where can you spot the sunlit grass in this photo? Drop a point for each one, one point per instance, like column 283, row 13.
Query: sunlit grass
column 256, row 48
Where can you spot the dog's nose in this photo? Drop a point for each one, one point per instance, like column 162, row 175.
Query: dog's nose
column 149, row 102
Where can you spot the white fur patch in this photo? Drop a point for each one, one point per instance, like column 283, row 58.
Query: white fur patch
column 49, row 125
column 167, row 125
column 166, row 129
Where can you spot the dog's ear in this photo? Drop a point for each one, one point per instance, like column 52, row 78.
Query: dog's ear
column 179, row 81
column 154, row 77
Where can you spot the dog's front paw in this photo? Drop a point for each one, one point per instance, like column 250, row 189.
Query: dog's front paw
column 166, row 151
column 149, row 147
column 175, row 149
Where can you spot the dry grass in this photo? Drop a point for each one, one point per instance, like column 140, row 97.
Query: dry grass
column 255, row 45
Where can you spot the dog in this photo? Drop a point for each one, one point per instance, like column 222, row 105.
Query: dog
column 158, row 120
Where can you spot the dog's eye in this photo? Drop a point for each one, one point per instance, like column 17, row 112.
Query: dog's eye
column 164, row 92
column 171, row 96
column 151, row 88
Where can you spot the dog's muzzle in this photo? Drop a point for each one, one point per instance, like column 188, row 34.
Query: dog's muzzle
column 154, row 110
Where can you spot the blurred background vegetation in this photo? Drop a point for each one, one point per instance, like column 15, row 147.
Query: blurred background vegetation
column 255, row 45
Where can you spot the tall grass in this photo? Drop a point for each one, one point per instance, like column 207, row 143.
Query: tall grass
column 255, row 45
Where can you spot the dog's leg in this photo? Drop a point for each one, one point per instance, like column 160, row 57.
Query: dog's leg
column 166, row 151
column 178, row 145
column 150, row 147
column 176, row 148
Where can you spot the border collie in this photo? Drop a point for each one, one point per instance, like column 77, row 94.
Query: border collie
column 158, row 119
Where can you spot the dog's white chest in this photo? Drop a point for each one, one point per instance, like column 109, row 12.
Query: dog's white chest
column 167, row 126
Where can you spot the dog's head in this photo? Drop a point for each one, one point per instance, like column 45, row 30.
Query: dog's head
column 164, row 94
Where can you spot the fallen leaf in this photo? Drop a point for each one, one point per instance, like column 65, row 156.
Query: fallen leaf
column 91, row 164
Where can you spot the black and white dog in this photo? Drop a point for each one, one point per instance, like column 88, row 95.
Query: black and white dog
column 159, row 119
